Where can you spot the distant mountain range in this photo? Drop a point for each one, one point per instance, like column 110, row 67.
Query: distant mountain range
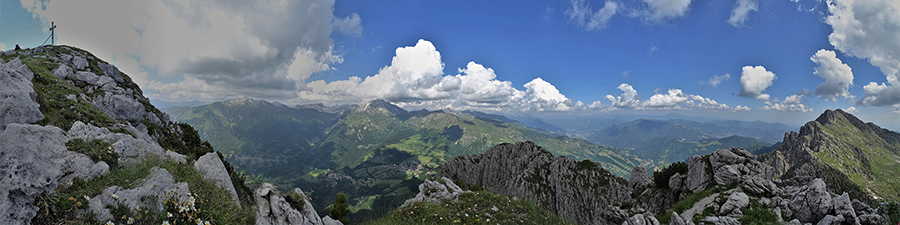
column 375, row 151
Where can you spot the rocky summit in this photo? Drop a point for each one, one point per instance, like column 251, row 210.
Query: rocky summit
column 80, row 144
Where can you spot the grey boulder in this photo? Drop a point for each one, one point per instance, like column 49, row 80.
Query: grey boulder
column 812, row 202
column 18, row 101
column 736, row 201
column 30, row 160
column 214, row 170
column 640, row 219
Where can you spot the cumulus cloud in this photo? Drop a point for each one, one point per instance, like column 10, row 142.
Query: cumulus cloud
column 755, row 80
column 792, row 103
column 264, row 48
column 868, row 30
column 663, row 10
column 2, row 46
column 851, row 109
column 741, row 11
column 838, row 76
column 581, row 14
column 545, row 97
column 741, row 108
column 716, row 80
column 672, row 99
column 415, row 79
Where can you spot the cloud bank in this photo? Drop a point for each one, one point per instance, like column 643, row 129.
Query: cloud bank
column 838, row 76
column 869, row 30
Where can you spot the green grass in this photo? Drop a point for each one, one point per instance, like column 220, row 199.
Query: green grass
column 758, row 214
column 96, row 149
column 472, row 208
column 213, row 203
column 879, row 171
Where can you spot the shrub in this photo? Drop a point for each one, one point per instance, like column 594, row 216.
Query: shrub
column 758, row 214
column 340, row 209
column 661, row 177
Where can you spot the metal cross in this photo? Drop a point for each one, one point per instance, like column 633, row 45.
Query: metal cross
column 52, row 33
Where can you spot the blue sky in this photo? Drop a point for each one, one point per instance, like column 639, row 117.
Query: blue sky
column 774, row 60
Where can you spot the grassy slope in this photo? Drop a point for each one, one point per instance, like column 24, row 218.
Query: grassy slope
column 878, row 170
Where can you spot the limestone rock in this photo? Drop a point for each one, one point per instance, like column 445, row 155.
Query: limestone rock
column 30, row 158
column 62, row 71
column 721, row 220
column 18, row 102
column 111, row 71
column 639, row 177
column 435, row 191
column 758, row 185
column 844, row 207
column 831, row 220
column 558, row 184
column 214, row 170
column 697, row 176
column 871, row 219
column 731, row 165
column 158, row 185
column 812, row 202
column 273, row 209
column 640, row 219
column 79, row 63
column 119, row 107
column 736, row 201
column 676, row 182
column 677, row 220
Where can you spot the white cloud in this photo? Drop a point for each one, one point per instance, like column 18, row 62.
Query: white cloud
column 869, row 29
column 672, row 99
column 838, row 76
column 581, row 14
column 351, row 25
column 259, row 48
column 741, row 108
column 662, row 10
column 792, row 103
column 2, row 46
column 628, row 99
column 741, row 11
column 543, row 96
column 716, row 80
column 851, row 109
column 755, row 80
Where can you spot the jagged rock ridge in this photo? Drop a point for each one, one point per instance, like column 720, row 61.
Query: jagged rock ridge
column 579, row 191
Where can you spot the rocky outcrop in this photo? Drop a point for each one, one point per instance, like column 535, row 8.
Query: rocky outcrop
column 639, row 177
column 212, row 168
column 579, row 191
column 812, row 202
column 678, row 220
column 17, row 97
column 273, row 209
column 128, row 148
column 435, row 191
column 641, row 219
column 738, row 166
column 721, row 220
column 158, row 185
column 698, row 175
column 736, row 202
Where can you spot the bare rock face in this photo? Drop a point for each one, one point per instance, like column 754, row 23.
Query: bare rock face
column 737, row 201
column 721, row 220
column 698, row 176
column 128, row 148
column 639, row 177
column 641, row 219
column 119, row 107
column 579, row 191
column 435, row 191
column 30, row 160
column 736, row 165
column 273, row 209
column 214, row 170
column 18, row 102
column 812, row 202
column 677, row 220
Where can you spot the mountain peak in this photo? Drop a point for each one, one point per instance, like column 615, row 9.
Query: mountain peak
column 832, row 116
column 384, row 105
